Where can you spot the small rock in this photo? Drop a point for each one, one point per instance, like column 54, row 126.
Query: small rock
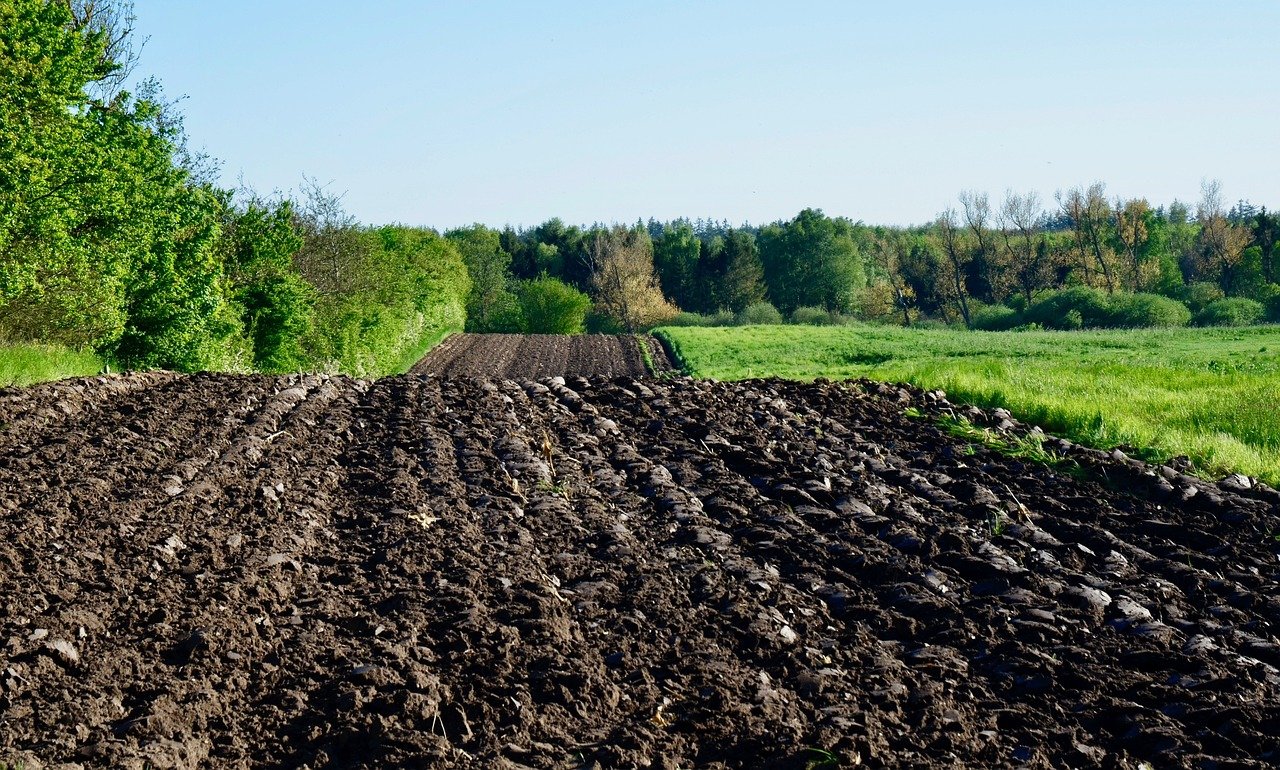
column 64, row 651
column 1237, row 482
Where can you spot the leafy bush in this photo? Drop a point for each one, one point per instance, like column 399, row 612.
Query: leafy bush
column 1137, row 311
column 402, row 290
column 551, row 306
column 278, row 309
column 1270, row 298
column 995, row 318
column 274, row 302
column 599, row 322
column 1198, row 296
column 1078, row 307
column 718, row 318
column 813, row 316
column 761, row 313
column 1233, row 311
column 505, row 316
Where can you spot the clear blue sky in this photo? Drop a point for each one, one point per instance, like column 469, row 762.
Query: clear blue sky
column 446, row 113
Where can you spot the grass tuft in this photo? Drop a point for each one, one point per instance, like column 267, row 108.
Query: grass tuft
column 29, row 364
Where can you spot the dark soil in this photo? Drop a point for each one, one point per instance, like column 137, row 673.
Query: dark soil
column 530, row 356
column 223, row 571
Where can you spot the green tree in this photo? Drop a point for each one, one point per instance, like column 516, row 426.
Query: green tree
column 676, row 255
column 56, row 283
column 743, row 281
column 275, row 303
column 490, row 302
column 811, row 261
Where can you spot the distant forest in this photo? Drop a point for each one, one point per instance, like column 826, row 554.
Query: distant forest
column 1085, row 260
column 116, row 238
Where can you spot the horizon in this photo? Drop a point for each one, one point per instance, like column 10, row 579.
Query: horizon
column 497, row 113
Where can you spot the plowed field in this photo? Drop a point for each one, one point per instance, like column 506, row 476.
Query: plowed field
column 530, row 356
column 224, row 571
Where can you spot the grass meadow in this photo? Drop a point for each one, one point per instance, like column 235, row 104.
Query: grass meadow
column 1210, row 394
column 29, row 364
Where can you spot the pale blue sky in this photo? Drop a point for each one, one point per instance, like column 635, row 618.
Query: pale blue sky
column 442, row 114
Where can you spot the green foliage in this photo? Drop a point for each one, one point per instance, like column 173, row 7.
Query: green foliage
column 743, row 282
column 813, row 316
column 1232, row 311
column 1198, row 296
column 408, row 290
column 491, row 305
column 175, row 301
column 812, row 260
column 1143, row 311
column 274, row 303
column 719, row 318
column 1074, row 308
column 1209, row 394
column 1270, row 298
column 278, row 310
column 550, row 306
column 676, row 256
column 105, row 240
column 759, row 313
column 995, row 318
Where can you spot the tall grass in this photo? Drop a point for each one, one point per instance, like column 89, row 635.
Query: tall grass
column 29, row 364
column 1210, row 394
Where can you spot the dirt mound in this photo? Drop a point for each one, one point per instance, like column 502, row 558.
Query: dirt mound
column 531, row 356
column 249, row 571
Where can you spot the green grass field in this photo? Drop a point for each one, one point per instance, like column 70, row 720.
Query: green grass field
column 29, row 364
column 1210, row 394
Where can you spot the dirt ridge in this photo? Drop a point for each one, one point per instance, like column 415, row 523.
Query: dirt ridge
column 315, row 571
column 532, row 356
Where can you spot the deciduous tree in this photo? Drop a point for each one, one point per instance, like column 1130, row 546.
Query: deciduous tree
column 1221, row 244
column 623, row 280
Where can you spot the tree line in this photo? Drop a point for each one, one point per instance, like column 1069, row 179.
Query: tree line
column 114, row 237
column 1086, row 260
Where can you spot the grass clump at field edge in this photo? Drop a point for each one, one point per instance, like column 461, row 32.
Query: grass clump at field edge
column 29, row 364
column 1210, row 394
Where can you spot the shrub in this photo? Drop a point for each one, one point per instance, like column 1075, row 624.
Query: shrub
column 402, row 290
column 813, row 316
column 505, row 316
column 760, row 313
column 551, row 306
column 1233, row 311
column 718, row 318
column 1270, row 298
column 690, row 319
column 1198, row 296
column 995, row 318
column 278, row 312
column 1078, row 307
column 1135, row 311
column 598, row 322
